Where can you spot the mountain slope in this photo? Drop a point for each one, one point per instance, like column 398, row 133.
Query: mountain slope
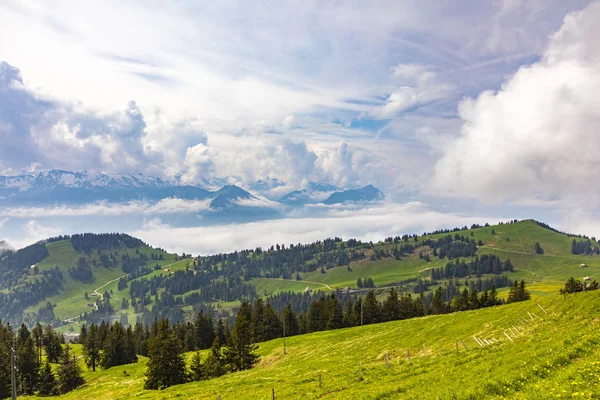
column 314, row 193
column 555, row 355
column 367, row 193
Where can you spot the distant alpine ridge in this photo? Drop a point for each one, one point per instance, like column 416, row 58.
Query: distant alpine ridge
column 68, row 187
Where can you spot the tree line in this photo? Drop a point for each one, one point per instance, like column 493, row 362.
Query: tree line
column 34, row 373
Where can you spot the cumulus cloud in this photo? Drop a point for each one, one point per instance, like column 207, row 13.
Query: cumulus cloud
column 38, row 132
column 536, row 136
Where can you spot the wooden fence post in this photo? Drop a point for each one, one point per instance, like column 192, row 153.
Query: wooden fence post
column 425, row 351
column 273, row 393
column 320, row 380
column 457, row 347
column 463, row 342
column 408, row 354
column 387, row 360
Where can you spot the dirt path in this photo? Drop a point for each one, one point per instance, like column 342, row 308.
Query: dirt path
column 100, row 295
column 317, row 283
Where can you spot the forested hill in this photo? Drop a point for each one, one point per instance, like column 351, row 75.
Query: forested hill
column 88, row 277
column 54, row 268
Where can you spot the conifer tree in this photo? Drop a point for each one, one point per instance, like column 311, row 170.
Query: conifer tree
column 69, row 373
column 5, row 387
column 290, row 322
column 91, row 348
column 214, row 365
column 372, row 311
column 335, row 317
column 391, row 306
column 196, row 367
column 47, row 384
column 349, row 318
column 52, row 345
column 438, row 306
column 205, row 333
column 166, row 366
column 239, row 353
column 28, row 366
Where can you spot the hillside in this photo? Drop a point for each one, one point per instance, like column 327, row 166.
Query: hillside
column 555, row 355
column 406, row 262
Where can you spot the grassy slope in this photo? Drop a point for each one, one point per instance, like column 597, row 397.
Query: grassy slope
column 71, row 302
column 555, row 355
column 548, row 271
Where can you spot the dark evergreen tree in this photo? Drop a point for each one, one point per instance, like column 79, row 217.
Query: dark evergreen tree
column 290, row 322
column 28, row 366
column 239, row 354
column 205, row 333
column 69, row 373
column 91, row 348
column 197, row 369
column 538, row 248
column 391, row 306
column 166, row 366
column 372, row 309
column 214, row 365
column 47, row 384
column 52, row 344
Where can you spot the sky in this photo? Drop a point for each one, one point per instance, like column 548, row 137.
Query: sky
column 458, row 111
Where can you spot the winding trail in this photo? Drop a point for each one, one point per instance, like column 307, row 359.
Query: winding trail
column 100, row 295
column 317, row 283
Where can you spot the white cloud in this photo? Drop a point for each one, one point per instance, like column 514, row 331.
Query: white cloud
column 537, row 136
column 374, row 223
column 419, row 86
column 162, row 207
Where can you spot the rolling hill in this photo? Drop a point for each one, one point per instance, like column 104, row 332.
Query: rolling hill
column 323, row 267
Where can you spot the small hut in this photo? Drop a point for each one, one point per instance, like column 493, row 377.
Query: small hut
column 583, row 266
column 307, row 290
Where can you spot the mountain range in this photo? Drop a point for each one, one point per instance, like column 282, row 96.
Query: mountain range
column 68, row 187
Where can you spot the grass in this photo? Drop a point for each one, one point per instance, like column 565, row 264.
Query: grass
column 554, row 356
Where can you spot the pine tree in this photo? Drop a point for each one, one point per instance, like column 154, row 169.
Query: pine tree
column 197, row 369
column 5, row 388
column 258, row 324
column 239, row 353
column 91, row 348
column 335, row 317
column 47, row 383
column 221, row 332
column 290, row 322
column 69, row 373
column 51, row 342
column 28, row 366
column 349, row 318
column 372, row 310
column 272, row 325
column 38, row 334
column 214, row 365
column 391, row 306
column 438, row 306
column 205, row 333
column 166, row 366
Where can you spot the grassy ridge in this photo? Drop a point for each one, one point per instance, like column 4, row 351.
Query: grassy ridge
column 544, row 273
column 555, row 355
column 549, row 270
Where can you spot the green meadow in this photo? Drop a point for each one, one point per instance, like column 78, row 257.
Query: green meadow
column 551, row 353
